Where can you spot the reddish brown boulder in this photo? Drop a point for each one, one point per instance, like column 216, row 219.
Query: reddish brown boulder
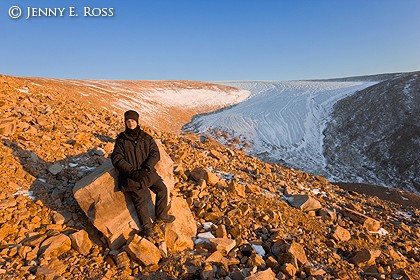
column 143, row 251
column 366, row 257
column 7, row 127
column 202, row 174
column 54, row 246
column 304, row 202
column 262, row 275
column 298, row 252
column 367, row 222
column 179, row 234
column 80, row 242
column 107, row 208
column 341, row 234
column 236, row 188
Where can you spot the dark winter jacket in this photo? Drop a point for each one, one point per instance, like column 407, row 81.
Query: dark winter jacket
column 131, row 154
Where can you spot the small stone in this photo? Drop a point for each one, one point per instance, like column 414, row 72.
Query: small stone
column 312, row 271
column 200, row 173
column 372, row 225
column 163, row 249
column 80, row 242
column 367, row 222
column 236, row 230
column 6, row 229
column 107, row 275
column 322, row 180
column 207, row 273
column 7, row 203
column 221, row 231
column 216, row 257
column 272, row 263
column 244, row 208
column 246, row 250
column 328, row 214
column 54, row 246
column 365, row 257
column 403, row 273
column 298, row 252
column 341, row 234
column 238, row 189
column 397, row 276
column 373, row 272
column 262, row 275
column 280, row 275
column 304, row 202
column 122, row 259
column 250, row 188
column 288, row 269
column 58, row 218
column 287, row 190
column 57, row 265
column 217, row 155
column 45, row 273
column 143, row 251
column 256, row 260
column 287, row 258
column 23, row 250
column 55, row 168
column 7, row 127
column 99, row 151
column 223, row 245
column 55, row 227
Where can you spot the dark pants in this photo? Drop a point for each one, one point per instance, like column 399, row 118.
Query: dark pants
column 141, row 198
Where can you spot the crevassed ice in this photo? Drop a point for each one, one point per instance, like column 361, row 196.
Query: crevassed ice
column 283, row 120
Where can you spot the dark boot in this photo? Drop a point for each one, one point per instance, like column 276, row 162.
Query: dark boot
column 166, row 218
column 148, row 232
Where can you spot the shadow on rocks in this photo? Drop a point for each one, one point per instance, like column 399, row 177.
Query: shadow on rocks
column 104, row 138
column 54, row 186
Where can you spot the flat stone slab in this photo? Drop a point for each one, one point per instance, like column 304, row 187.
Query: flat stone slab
column 108, row 209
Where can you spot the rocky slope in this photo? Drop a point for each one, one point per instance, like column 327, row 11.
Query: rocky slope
column 375, row 134
column 282, row 222
column 163, row 105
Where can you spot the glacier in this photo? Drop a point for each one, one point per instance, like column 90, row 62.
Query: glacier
column 283, row 121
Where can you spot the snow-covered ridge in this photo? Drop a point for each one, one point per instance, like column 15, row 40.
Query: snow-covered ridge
column 164, row 105
column 198, row 97
column 283, row 121
column 182, row 96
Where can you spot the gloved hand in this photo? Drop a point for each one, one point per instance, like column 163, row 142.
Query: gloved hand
column 139, row 175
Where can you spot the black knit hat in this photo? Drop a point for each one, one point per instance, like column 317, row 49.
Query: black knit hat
column 130, row 114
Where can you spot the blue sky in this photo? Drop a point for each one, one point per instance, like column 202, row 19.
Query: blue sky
column 212, row 40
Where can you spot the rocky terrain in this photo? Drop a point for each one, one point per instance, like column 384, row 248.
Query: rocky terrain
column 375, row 133
column 163, row 105
column 254, row 220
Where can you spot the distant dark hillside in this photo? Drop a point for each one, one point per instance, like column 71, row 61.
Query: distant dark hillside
column 377, row 77
column 375, row 134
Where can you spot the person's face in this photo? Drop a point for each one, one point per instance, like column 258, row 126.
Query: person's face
column 131, row 124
